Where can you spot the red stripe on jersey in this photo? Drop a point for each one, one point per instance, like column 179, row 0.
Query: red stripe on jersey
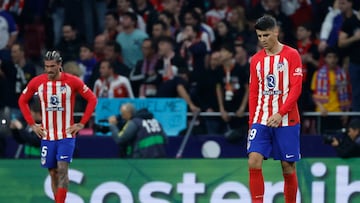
column 54, row 113
column 271, row 97
column 63, row 113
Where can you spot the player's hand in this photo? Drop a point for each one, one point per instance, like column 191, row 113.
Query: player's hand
column 39, row 130
column 75, row 128
column 274, row 120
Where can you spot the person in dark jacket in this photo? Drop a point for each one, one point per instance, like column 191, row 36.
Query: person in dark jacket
column 142, row 133
column 349, row 146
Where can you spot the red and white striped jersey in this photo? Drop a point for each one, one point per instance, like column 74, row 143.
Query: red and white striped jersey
column 115, row 87
column 275, row 86
column 57, row 98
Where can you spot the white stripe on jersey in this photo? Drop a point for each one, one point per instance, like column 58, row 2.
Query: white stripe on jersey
column 285, row 119
column 265, row 107
column 275, row 101
column 68, row 108
column 59, row 113
column 50, row 117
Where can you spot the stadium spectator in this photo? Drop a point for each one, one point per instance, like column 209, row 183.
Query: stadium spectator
column 70, row 43
column 112, row 53
column 223, row 34
column 130, row 39
column 221, row 11
column 8, row 32
column 331, row 91
column 110, row 84
column 144, row 77
column 125, row 6
column 348, row 145
column 111, row 25
column 203, row 36
column 194, row 17
column 330, row 27
column 172, row 8
column 232, row 89
column 349, row 39
column 147, row 11
column 99, row 46
column 194, row 50
column 15, row 75
column 308, row 51
column 159, row 29
column 272, row 7
column 174, row 72
column 169, row 19
column 86, row 62
column 205, row 94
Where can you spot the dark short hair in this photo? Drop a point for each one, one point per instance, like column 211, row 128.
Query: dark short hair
column 115, row 45
column 354, row 123
column 331, row 50
column 265, row 22
column 87, row 46
column 53, row 55
column 113, row 14
column 166, row 39
column 228, row 47
column 131, row 15
column 160, row 22
column 111, row 64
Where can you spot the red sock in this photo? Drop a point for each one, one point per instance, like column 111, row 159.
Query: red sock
column 256, row 184
column 290, row 187
column 61, row 195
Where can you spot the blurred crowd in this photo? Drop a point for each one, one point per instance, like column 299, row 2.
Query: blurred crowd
column 198, row 50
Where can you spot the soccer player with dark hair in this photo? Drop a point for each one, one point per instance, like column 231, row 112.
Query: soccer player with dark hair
column 56, row 91
column 275, row 86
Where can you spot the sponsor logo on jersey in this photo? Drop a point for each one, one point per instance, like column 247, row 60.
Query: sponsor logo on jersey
column 298, row 72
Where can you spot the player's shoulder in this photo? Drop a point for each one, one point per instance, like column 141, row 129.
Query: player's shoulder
column 290, row 51
column 258, row 55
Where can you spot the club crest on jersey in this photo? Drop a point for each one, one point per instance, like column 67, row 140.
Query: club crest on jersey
column 63, row 89
column 270, row 81
column 280, row 66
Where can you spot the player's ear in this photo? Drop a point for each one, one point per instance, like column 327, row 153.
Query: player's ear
column 277, row 30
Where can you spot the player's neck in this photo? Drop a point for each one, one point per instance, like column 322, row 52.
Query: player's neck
column 57, row 77
column 275, row 49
